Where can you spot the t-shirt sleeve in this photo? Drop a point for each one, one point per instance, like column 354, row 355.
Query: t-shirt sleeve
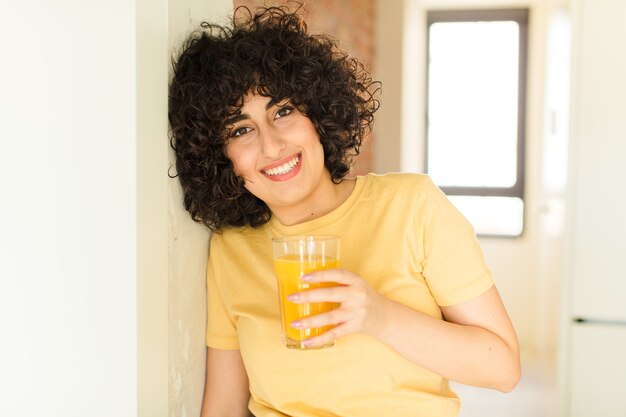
column 221, row 331
column 454, row 266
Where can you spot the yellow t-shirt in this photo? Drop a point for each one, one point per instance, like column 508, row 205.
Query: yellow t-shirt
column 400, row 233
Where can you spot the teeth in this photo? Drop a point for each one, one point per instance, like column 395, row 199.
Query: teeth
column 284, row 168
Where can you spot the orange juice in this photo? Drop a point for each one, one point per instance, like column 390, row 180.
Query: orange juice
column 289, row 269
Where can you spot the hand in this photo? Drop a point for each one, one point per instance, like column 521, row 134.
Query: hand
column 361, row 310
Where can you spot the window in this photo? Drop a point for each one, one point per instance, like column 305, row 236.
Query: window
column 476, row 114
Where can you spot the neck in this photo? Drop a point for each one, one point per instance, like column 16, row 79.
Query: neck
column 327, row 197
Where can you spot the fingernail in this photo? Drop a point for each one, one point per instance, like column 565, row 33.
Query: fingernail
column 293, row 297
column 296, row 324
column 307, row 343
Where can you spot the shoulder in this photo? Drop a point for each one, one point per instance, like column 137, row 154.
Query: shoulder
column 402, row 195
column 235, row 238
column 415, row 192
column 413, row 184
column 398, row 178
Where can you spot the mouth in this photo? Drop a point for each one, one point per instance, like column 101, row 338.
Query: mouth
column 283, row 168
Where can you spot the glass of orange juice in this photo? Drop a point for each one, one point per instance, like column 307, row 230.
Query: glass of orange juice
column 293, row 257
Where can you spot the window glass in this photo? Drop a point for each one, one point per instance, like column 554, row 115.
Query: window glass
column 492, row 216
column 475, row 115
column 472, row 104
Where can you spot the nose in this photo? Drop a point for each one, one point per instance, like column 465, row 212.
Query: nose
column 272, row 143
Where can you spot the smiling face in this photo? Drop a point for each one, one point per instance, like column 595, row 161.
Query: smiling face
column 276, row 149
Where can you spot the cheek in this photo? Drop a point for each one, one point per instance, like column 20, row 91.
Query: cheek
column 237, row 158
column 312, row 137
column 317, row 145
column 236, row 165
column 244, row 166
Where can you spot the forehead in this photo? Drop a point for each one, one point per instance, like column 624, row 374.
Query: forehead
column 251, row 102
column 254, row 98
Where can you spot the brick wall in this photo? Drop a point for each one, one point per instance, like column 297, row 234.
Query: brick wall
column 351, row 22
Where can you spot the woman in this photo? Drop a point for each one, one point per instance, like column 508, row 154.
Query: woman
column 265, row 122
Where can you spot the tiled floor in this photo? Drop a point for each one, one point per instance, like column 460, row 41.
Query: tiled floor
column 534, row 396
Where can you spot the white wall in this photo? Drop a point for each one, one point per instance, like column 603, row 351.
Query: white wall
column 88, row 238
column 68, row 296
column 527, row 280
column 188, row 250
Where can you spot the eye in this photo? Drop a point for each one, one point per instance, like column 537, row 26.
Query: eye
column 235, row 133
column 283, row 111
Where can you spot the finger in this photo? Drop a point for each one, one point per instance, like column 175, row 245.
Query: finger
column 325, row 338
column 332, row 317
column 318, row 295
column 340, row 276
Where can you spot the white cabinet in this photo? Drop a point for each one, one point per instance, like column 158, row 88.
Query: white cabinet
column 598, row 165
column 597, row 383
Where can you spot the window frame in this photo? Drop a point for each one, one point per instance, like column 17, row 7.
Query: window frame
column 485, row 15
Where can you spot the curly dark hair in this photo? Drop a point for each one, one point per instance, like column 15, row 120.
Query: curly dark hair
column 268, row 52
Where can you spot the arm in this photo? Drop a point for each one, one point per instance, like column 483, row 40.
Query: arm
column 476, row 345
column 226, row 391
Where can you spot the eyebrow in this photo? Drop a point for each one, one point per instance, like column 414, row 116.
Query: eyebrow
column 243, row 116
